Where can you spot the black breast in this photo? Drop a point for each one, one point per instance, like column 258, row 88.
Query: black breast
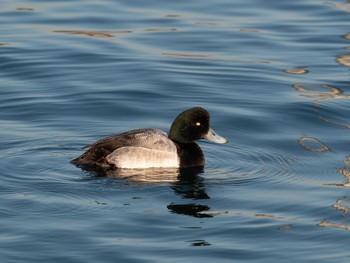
column 190, row 154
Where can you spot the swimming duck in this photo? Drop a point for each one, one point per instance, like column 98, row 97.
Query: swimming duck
column 151, row 148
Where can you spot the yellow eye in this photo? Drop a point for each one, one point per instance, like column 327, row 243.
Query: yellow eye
column 198, row 124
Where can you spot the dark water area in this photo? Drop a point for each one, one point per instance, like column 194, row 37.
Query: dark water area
column 273, row 74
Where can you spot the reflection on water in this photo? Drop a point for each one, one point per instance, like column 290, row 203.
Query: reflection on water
column 249, row 30
column 344, row 209
column 296, row 71
column 345, row 171
column 158, row 30
column 172, row 16
column 347, row 161
column 325, row 223
column 269, row 216
column 286, row 227
column 109, row 34
column 215, row 58
column 206, row 23
column 334, row 123
column 191, row 187
column 181, row 55
column 151, row 175
column 85, row 32
column 344, row 7
column 184, row 182
column 313, row 144
column 199, row 243
column 195, row 210
column 25, row 9
column 316, row 93
column 344, row 60
column 340, row 206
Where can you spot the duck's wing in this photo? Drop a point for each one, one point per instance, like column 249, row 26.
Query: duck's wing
column 145, row 138
column 148, row 138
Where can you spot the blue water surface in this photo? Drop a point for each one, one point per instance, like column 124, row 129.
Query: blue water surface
column 273, row 74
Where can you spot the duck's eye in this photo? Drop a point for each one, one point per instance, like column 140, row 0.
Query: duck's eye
column 198, row 124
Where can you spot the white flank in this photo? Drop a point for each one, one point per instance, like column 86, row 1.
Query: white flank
column 140, row 158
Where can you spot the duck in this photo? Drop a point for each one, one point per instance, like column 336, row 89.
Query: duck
column 153, row 148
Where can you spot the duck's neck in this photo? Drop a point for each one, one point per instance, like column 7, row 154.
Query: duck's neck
column 190, row 154
column 177, row 133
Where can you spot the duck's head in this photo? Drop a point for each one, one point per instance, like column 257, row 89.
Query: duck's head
column 192, row 125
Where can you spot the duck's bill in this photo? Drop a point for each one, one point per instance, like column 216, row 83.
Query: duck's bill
column 214, row 137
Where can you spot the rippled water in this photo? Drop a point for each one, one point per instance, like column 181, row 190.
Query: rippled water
column 273, row 74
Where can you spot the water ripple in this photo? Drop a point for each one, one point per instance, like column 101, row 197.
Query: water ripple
column 252, row 165
column 327, row 100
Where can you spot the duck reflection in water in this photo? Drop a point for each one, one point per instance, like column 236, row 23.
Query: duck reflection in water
column 186, row 183
column 190, row 186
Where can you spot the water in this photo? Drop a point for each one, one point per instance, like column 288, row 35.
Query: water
column 273, row 74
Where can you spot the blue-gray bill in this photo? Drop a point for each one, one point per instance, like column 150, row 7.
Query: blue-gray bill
column 214, row 137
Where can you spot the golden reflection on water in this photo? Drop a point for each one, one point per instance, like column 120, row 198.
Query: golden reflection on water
column 344, row 7
column 318, row 95
column 269, row 216
column 334, row 123
column 303, row 141
column 344, row 60
column 345, row 172
column 347, row 36
column 296, row 71
column 25, row 9
column 327, row 92
column 325, row 223
column 286, row 227
column 338, row 205
column 278, row 218
column 85, row 32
